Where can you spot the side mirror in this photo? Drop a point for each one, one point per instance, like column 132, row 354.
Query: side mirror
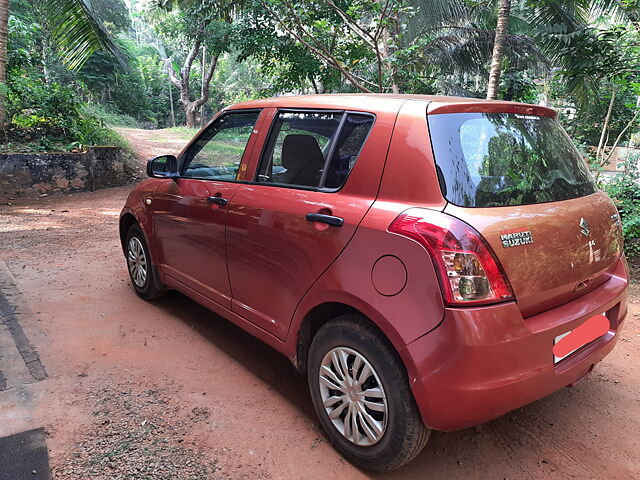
column 164, row 166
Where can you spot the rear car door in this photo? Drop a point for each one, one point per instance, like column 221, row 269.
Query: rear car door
column 285, row 228
column 519, row 181
column 190, row 212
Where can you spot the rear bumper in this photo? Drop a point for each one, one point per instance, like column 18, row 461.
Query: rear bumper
column 481, row 363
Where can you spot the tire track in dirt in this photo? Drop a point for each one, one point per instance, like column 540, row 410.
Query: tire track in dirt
column 511, row 454
column 558, row 453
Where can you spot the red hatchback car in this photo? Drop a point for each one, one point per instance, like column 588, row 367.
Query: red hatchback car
column 419, row 258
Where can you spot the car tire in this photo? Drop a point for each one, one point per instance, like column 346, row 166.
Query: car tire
column 140, row 267
column 396, row 433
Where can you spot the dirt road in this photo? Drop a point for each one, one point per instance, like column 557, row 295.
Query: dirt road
column 168, row 390
column 151, row 143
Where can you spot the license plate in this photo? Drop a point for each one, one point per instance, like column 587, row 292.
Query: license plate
column 557, row 359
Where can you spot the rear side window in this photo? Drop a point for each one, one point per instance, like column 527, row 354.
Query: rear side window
column 313, row 149
column 354, row 133
column 501, row 159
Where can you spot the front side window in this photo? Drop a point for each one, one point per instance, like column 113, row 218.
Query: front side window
column 501, row 159
column 313, row 149
column 217, row 153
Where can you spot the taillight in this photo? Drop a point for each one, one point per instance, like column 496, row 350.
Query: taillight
column 468, row 270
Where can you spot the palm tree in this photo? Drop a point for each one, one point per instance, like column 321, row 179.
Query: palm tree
column 462, row 42
column 504, row 10
column 564, row 31
column 75, row 30
column 533, row 37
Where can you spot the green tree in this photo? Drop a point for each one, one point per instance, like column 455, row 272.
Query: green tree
column 361, row 39
column 418, row 46
column 198, row 32
column 74, row 28
column 113, row 14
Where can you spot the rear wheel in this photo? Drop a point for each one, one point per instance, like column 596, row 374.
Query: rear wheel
column 140, row 266
column 361, row 394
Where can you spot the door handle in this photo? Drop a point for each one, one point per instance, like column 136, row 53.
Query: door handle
column 328, row 219
column 217, row 200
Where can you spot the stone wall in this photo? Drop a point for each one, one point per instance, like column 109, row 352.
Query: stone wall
column 33, row 174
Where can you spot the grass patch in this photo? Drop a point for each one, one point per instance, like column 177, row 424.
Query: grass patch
column 109, row 117
column 184, row 133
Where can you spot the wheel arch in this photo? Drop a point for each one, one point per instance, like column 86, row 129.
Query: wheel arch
column 126, row 221
column 321, row 313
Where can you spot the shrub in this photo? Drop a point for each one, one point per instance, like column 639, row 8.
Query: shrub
column 48, row 117
column 33, row 104
column 624, row 189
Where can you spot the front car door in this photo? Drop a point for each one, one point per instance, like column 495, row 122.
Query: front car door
column 285, row 229
column 190, row 212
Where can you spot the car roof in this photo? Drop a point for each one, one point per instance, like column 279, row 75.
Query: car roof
column 390, row 101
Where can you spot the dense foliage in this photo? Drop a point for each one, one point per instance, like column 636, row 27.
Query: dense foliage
column 625, row 190
column 44, row 101
column 572, row 55
column 49, row 117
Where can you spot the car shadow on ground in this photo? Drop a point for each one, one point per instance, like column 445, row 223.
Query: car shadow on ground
column 516, row 444
column 264, row 362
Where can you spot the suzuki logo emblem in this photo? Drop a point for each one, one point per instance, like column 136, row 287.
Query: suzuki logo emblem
column 584, row 227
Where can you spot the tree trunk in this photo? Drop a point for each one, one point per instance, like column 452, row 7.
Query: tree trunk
column 190, row 114
column 4, row 21
column 493, row 86
column 606, row 159
column 203, row 85
column 314, row 85
column 182, row 81
column 394, row 31
column 602, row 144
column 173, row 114
column 45, row 61
column 604, row 136
column 384, row 51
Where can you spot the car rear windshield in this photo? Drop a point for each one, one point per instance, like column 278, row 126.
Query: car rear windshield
column 500, row 159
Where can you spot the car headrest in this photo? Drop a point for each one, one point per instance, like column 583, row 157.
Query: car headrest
column 300, row 152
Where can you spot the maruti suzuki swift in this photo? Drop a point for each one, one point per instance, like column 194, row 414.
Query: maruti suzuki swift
column 419, row 258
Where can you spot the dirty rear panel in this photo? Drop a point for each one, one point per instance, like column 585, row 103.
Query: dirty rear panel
column 519, row 180
column 554, row 260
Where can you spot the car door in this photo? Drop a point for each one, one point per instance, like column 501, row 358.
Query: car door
column 190, row 212
column 286, row 228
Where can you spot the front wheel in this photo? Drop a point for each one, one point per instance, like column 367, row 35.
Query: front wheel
column 140, row 266
column 362, row 396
